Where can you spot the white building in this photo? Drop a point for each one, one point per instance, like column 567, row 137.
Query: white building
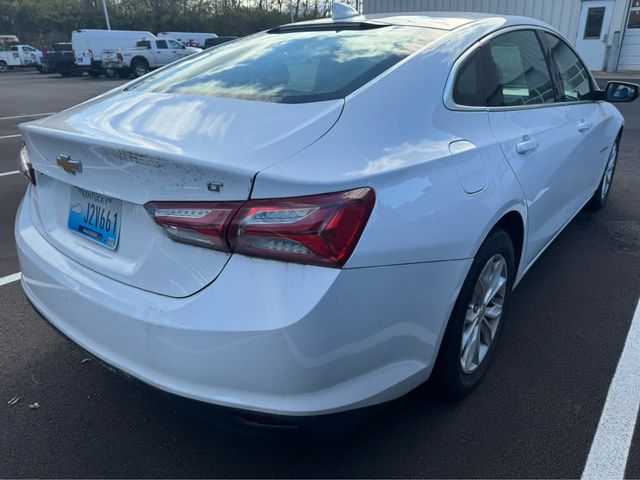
column 605, row 32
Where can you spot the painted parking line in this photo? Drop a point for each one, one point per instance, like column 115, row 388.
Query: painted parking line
column 10, row 136
column 10, row 278
column 4, row 174
column 27, row 116
column 610, row 447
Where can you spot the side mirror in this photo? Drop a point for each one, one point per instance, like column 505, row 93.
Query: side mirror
column 621, row 92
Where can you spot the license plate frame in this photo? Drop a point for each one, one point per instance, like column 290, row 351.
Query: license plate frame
column 95, row 217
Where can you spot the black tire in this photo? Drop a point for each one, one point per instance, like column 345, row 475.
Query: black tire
column 95, row 73
column 3, row 66
column 600, row 197
column 139, row 67
column 109, row 72
column 124, row 73
column 449, row 379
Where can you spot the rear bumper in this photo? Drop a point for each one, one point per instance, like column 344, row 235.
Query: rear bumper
column 114, row 65
column 266, row 336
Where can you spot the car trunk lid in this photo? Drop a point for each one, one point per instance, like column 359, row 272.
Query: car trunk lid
column 137, row 147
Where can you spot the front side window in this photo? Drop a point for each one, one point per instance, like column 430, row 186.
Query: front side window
column 510, row 70
column 293, row 66
column 174, row 44
column 576, row 81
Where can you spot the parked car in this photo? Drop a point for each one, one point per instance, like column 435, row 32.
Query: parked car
column 190, row 39
column 144, row 57
column 215, row 41
column 89, row 44
column 319, row 218
column 60, row 58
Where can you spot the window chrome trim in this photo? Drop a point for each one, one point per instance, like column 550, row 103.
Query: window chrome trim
column 450, row 104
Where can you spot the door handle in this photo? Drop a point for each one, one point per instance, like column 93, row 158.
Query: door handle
column 583, row 126
column 527, row 145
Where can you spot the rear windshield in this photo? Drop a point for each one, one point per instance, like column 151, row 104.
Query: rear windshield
column 292, row 66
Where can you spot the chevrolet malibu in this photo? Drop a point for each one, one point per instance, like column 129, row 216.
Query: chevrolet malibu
column 320, row 217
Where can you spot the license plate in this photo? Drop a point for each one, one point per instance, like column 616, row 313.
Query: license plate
column 95, row 216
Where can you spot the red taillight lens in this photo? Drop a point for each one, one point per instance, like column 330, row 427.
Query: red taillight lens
column 119, row 57
column 318, row 229
column 200, row 223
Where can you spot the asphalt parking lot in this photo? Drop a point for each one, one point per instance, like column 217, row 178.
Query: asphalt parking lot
column 535, row 415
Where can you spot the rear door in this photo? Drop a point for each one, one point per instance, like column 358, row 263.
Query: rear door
column 534, row 132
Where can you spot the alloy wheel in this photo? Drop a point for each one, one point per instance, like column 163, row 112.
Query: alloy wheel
column 483, row 313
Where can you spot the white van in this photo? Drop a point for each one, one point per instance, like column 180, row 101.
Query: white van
column 190, row 39
column 89, row 44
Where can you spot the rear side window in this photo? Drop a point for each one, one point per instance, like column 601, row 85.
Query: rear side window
column 161, row 44
column 576, row 81
column 510, row 70
column 296, row 66
column 522, row 70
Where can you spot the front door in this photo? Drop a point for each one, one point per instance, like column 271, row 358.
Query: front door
column 593, row 31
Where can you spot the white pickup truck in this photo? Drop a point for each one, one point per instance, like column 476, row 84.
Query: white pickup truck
column 145, row 56
column 8, row 58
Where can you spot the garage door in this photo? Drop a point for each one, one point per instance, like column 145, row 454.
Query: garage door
column 630, row 51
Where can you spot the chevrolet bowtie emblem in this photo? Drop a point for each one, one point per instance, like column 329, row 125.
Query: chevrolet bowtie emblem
column 71, row 166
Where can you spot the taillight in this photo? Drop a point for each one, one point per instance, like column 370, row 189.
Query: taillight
column 90, row 54
column 24, row 164
column 200, row 223
column 318, row 229
column 119, row 57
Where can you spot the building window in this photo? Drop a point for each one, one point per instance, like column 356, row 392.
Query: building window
column 634, row 15
column 595, row 18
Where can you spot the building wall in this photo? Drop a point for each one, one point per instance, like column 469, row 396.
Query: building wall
column 561, row 14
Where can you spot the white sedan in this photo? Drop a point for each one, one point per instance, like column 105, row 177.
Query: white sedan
column 317, row 218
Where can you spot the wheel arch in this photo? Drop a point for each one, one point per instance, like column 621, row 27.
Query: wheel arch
column 513, row 220
column 513, row 223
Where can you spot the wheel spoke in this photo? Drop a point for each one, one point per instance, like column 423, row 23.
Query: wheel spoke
column 496, row 282
column 471, row 349
column 486, row 333
column 493, row 312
